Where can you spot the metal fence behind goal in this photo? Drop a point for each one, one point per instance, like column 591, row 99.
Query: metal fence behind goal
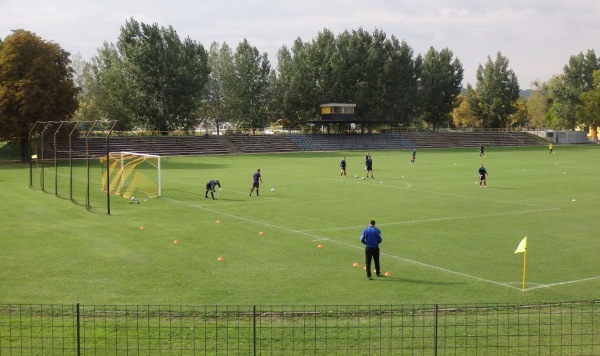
column 571, row 328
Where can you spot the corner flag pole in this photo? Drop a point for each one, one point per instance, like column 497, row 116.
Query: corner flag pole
column 522, row 248
column 524, row 268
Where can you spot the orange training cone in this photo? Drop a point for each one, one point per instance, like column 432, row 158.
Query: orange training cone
column 218, row 221
column 387, row 274
column 220, row 258
column 176, row 242
column 320, row 245
column 142, row 227
column 355, row 264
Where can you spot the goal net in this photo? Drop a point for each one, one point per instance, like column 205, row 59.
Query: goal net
column 131, row 174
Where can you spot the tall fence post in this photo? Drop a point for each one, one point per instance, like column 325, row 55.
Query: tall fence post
column 78, row 332
column 254, row 328
column 435, row 329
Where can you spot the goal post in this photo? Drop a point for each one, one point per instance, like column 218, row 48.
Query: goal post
column 131, row 174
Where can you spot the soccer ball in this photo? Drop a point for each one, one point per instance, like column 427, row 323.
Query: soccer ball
column 272, row 189
column 363, row 178
column 355, row 176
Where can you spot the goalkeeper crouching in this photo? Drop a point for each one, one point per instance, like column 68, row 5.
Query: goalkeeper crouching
column 210, row 187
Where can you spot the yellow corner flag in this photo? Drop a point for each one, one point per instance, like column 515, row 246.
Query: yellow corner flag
column 522, row 246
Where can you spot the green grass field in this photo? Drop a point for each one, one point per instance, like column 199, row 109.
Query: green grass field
column 445, row 239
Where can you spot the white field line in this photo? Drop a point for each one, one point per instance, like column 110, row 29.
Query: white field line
column 562, row 283
column 436, row 219
column 321, row 238
column 202, row 189
column 408, row 186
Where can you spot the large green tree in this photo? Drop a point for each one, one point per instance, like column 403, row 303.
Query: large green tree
column 400, row 77
column 497, row 89
column 296, row 79
column 216, row 106
column 588, row 109
column 537, row 104
column 250, row 94
column 462, row 115
column 105, row 93
column 577, row 78
column 165, row 76
column 36, row 84
column 376, row 73
column 440, row 85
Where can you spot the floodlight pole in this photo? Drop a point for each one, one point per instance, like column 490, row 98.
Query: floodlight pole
column 56, row 157
column 87, row 163
column 75, row 127
column 42, row 175
column 29, row 155
column 114, row 123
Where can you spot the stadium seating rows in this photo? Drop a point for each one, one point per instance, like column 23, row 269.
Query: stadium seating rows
column 262, row 143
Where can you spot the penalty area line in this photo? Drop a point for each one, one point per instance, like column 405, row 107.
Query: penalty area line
column 321, row 238
column 562, row 283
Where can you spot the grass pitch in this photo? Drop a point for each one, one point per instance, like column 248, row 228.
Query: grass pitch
column 445, row 240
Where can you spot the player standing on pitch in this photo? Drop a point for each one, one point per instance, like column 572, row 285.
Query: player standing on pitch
column 256, row 180
column 371, row 238
column 482, row 173
column 414, row 155
column 210, row 187
column 369, row 166
column 343, row 167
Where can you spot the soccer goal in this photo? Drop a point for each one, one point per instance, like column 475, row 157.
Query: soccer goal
column 131, row 174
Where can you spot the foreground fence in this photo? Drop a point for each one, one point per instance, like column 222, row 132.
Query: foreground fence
column 533, row 329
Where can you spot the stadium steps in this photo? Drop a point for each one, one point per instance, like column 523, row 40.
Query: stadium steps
column 335, row 142
column 492, row 138
column 163, row 146
column 262, row 143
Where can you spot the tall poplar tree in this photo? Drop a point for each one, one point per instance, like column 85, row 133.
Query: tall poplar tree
column 250, row 94
column 440, row 85
column 167, row 76
column 497, row 89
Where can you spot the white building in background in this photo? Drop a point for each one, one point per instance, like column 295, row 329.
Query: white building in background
column 212, row 129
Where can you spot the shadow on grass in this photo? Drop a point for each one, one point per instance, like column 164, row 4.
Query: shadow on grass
column 170, row 164
column 413, row 281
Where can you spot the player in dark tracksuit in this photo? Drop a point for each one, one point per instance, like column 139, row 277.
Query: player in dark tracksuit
column 482, row 176
column 256, row 180
column 210, row 187
column 371, row 238
column 343, row 167
column 369, row 167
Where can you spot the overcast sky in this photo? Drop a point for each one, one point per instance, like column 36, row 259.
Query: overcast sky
column 537, row 36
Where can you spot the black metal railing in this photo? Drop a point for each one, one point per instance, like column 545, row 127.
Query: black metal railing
column 567, row 328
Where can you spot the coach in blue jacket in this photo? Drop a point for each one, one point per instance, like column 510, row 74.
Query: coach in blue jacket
column 371, row 238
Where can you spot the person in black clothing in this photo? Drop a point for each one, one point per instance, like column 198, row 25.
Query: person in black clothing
column 210, row 187
column 482, row 176
column 343, row 167
column 369, row 167
column 371, row 238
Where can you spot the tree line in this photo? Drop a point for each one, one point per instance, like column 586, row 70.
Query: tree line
column 152, row 79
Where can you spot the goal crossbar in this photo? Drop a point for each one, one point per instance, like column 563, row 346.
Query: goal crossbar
column 131, row 173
